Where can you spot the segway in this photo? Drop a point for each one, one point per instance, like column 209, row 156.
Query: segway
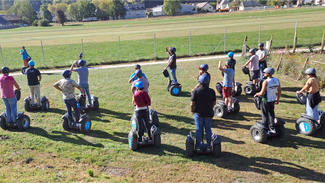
column 307, row 125
column 236, row 91
column 221, row 109
column 133, row 135
column 175, row 89
column 250, row 88
column 45, row 104
column 84, row 123
column 83, row 107
column 215, row 144
column 260, row 132
column 23, row 69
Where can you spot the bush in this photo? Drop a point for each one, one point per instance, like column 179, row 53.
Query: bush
column 90, row 173
column 35, row 23
column 43, row 22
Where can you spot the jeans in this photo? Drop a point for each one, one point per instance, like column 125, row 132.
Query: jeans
column 72, row 103
column 173, row 72
column 11, row 108
column 268, row 115
column 143, row 115
column 199, row 123
column 35, row 90
column 262, row 66
column 85, row 87
column 312, row 112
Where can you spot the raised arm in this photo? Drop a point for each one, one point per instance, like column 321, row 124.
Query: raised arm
column 220, row 67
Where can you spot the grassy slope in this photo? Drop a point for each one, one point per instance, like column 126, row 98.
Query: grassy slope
column 296, row 158
column 61, row 44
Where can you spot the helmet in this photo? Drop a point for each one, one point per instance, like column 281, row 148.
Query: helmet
column 5, row 70
column 310, row 71
column 137, row 66
column 204, row 67
column 204, row 79
column 23, row 47
column 172, row 49
column 31, row 63
column 245, row 70
column 138, row 73
column 139, row 85
column 230, row 63
column 80, row 55
column 231, row 54
column 66, row 73
column 260, row 44
column 81, row 62
column 252, row 50
column 269, row 70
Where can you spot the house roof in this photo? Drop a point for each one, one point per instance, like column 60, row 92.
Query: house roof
column 134, row 7
column 251, row 3
column 201, row 5
column 224, row 2
column 10, row 17
column 3, row 21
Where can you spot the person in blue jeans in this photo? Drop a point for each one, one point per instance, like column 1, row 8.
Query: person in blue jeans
column 8, row 95
column 203, row 99
column 172, row 62
column 262, row 54
column 83, row 74
column 66, row 86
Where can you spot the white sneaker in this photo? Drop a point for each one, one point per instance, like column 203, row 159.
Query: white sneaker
column 272, row 130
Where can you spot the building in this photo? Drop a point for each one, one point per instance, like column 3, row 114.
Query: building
column 159, row 10
column 135, row 11
column 204, row 6
column 250, row 5
column 15, row 20
column 4, row 22
column 224, row 4
column 320, row 2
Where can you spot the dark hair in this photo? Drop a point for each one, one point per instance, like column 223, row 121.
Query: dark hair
column 313, row 75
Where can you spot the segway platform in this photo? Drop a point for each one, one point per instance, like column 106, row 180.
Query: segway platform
column 22, row 122
column 260, row 132
column 84, row 123
column 45, row 104
column 221, row 110
column 83, row 107
column 236, row 91
column 191, row 148
column 174, row 89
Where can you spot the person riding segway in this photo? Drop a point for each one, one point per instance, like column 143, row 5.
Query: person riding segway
column 262, row 54
column 173, row 86
column 26, row 58
column 252, row 86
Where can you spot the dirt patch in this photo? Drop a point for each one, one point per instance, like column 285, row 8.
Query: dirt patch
column 116, row 171
column 4, row 138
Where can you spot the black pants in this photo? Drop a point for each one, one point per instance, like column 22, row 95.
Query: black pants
column 143, row 115
column 268, row 115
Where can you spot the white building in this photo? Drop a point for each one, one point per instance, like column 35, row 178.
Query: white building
column 204, row 6
column 135, row 11
column 159, row 10
column 224, row 4
column 250, row 5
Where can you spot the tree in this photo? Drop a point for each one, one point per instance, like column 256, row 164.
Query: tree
column 62, row 6
column 262, row 2
column 172, row 6
column 24, row 10
column 46, row 14
column 60, row 16
column 235, row 4
column 116, row 8
column 73, row 12
column 104, row 10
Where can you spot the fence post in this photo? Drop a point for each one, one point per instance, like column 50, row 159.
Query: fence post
column 154, row 37
column 43, row 54
column 119, row 42
column 243, row 53
column 2, row 56
column 189, row 44
column 259, row 35
column 303, row 68
column 295, row 40
column 83, row 51
column 224, row 48
column 278, row 67
column 271, row 41
column 322, row 46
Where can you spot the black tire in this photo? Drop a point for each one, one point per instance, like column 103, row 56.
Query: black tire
column 217, row 150
column 3, row 123
column 27, row 106
column 258, row 134
column 175, row 90
column 96, row 105
column 155, row 120
column 322, row 122
column 157, row 141
column 133, row 140
column 239, row 91
column 220, row 111
column 85, row 125
column 23, row 122
column 23, row 69
column 280, row 130
column 45, row 105
column 250, row 89
column 305, row 126
column 65, row 124
column 236, row 107
column 189, row 149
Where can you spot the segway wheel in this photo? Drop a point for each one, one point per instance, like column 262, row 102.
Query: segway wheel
column 220, row 111
column 305, row 126
column 133, row 140
column 189, row 149
column 3, row 123
column 249, row 89
column 23, row 122
column 27, row 106
column 236, row 107
column 280, row 130
column 157, row 141
column 23, row 69
column 85, row 125
column 258, row 134
column 217, row 150
column 45, row 105
column 239, row 91
column 65, row 124
column 96, row 105
column 175, row 90
column 322, row 122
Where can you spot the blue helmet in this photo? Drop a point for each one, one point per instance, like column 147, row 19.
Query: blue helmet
column 31, row 63
column 252, row 50
column 310, row 71
column 204, row 79
column 81, row 62
column 66, row 73
column 260, row 44
column 139, row 85
column 5, row 70
column 137, row 66
column 231, row 54
column 204, row 67
column 138, row 73
column 172, row 49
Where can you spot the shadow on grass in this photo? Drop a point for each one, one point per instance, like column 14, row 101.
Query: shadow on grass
column 62, row 136
column 185, row 94
column 228, row 125
column 101, row 113
column 116, row 136
column 162, row 151
column 290, row 89
column 73, row 25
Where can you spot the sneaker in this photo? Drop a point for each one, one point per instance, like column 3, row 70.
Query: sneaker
column 230, row 109
column 209, row 148
column 141, row 142
column 272, row 130
column 149, row 141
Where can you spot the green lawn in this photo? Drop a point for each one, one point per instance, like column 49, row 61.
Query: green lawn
column 62, row 44
column 67, row 156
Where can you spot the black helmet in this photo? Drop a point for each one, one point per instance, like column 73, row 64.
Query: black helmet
column 137, row 66
column 5, row 70
column 260, row 44
column 310, row 71
column 245, row 70
column 80, row 55
column 230, row 63
column 269, row 70
column 252, row 50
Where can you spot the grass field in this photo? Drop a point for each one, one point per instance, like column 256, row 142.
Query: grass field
column 67, row 156
column 61, row 44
